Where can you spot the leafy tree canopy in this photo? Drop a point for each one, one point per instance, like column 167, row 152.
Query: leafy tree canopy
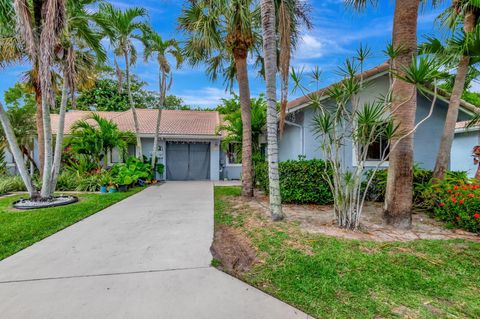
column 233, row 122
column 104, row 96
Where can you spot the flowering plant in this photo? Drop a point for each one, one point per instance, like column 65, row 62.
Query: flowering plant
column 459, row 205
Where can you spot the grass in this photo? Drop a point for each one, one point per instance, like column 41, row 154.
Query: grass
column 329, row 277
column 20, row 229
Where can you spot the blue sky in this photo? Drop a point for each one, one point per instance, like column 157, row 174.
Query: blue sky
column 337, row 33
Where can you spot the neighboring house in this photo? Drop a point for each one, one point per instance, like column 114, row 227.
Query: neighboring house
column 465, row 140
column 298, row 138
column 189, row 141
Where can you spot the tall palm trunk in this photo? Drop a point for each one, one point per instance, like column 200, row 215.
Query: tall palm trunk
column 162, row 84
column 240, row 56
column 47, row 190
column 270, row 52
column 138, row 152
column 118, row 71
column 443, row 157
column 16, row 152
column 59, row 138
column 399, row 192
column 39, row 124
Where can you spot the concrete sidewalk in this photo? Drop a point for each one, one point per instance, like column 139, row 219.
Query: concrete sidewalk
column 145, row 257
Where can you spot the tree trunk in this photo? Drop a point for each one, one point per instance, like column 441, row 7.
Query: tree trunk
column 57, row 159
column 138, row 151
column 16, row 152
column 399, row 192
column 39, row 123
column 443, row 157
column 245, row 106
column 270, row 53
column 162, row 89
column 46, row 190
column 118, row 71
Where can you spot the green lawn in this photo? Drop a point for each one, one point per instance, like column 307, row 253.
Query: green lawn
column 20, row 229
column 336, row 278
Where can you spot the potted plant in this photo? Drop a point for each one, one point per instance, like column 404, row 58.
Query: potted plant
column 123, row 180
column 105, row 179
column 112, row 186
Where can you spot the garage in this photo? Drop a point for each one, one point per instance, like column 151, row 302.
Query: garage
column 188, row 161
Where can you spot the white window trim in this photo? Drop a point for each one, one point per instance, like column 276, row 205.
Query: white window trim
column 228, row 164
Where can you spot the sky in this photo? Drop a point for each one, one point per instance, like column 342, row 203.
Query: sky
column 336, row 34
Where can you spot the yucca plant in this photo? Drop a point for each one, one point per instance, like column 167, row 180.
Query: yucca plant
column 344, row 121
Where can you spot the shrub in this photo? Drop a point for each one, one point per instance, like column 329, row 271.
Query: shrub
column 458, row 204
column 67, row 181
column 301, row 181
column 89, row 183
column 11, row 184
column 131, row 171
column 423, row 190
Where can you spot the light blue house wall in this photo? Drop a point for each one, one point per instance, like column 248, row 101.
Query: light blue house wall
column 461, row 159
column 426, row 138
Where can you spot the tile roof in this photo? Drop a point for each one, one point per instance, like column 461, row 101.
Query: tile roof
column 384, row 67
column 464, row 125
column 173, row 122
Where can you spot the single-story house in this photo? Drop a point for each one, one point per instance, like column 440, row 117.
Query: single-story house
column 465, row 139
column 298, row 138
column 189, row 142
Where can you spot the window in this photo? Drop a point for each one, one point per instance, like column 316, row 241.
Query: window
column 234, row 153
column 375, row 152
column 115, row 156
column 378, row 149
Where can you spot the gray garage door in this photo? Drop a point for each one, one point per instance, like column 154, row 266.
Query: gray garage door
column 188, row 161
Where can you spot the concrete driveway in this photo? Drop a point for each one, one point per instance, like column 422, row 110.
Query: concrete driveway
column 145, row 257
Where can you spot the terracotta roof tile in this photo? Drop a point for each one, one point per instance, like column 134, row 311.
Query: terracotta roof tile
column 384, row 67
column 173, row 122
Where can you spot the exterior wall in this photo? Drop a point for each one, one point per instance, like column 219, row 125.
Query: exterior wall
column 426, row 139
column 429, row 134
column 461, row 152
column 232, row 171
column 290, row 145
column 215, row 160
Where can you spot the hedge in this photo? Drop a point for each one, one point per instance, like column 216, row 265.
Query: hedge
column 301, row 181
column 423, row 191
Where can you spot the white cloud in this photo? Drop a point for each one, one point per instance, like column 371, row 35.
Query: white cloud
column 207, row 96
column 310, row 47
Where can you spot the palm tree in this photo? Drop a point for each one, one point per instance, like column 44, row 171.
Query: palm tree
column 466, row 45
column 16, row 152
column 222, row 34
column 399, row 191
column 270, row 57
column 154, row 44
column 39, row 25
column 96, row 140
column 121, row 27
column 12, row 51
column 291, row 15
column 76, row 63
column 233, row 126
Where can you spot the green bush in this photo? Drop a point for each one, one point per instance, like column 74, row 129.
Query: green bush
column 423, row 190
column 131, row 171
column 458, row 204
column 301, row 181
column 11, row 184
column 89, row 183
column 68, row 181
